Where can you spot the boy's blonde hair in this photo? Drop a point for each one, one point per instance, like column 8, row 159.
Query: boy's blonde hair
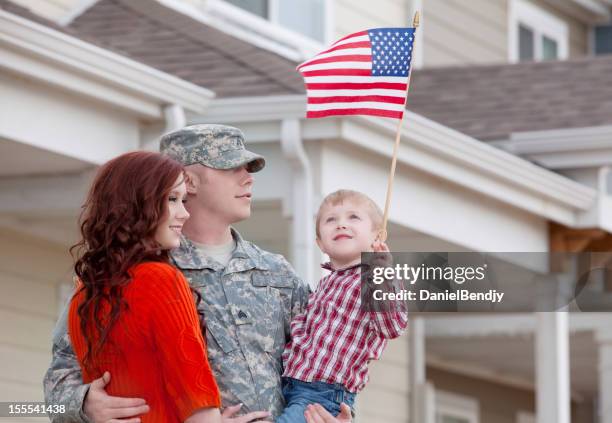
column 342, row 195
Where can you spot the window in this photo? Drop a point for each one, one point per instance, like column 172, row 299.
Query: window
column 526, row 50
column 603, row 39
column 535, row 34
column 305, row 16
column 454, row 408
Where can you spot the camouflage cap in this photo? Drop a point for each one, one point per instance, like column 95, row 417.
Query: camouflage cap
column 216, row 146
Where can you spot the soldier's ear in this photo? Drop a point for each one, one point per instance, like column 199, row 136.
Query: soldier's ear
column 191, row 181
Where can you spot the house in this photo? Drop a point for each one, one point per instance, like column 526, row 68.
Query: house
column 494, row 157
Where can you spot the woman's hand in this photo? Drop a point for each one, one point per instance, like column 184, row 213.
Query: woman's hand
column 99, row 407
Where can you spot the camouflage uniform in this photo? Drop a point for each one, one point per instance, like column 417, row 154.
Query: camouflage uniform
column 248, row 305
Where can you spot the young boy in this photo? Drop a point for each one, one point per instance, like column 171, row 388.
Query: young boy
column 333, row 341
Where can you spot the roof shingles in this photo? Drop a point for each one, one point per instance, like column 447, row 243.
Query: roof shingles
column 491, row 102
column 175, row 43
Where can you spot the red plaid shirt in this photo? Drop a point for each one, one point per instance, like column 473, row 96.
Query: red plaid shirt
column 334, row 339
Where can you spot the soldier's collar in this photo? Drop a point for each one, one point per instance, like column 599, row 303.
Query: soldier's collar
column 241, row 247
column 186, row 256
column 245, row 250
column 330, row 267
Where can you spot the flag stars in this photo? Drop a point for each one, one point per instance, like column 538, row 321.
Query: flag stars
column 391, row 50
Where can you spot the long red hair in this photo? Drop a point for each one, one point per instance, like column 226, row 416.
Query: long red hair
column 125, row 205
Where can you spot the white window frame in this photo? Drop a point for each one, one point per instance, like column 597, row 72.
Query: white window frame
column 273, row 11
column 456, row 405
column 542, row 23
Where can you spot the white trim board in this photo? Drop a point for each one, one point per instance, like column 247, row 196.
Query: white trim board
column 563, row 148
column 426, row 145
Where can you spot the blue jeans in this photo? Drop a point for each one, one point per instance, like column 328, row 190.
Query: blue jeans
column 299, row 394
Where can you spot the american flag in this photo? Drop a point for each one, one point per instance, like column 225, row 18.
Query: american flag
column 365, row 73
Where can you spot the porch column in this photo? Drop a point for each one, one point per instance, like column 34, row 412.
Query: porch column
column 552, row 368
column 603, row 337
column 422, row 408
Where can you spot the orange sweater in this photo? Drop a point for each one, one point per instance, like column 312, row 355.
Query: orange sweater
column 155, row 350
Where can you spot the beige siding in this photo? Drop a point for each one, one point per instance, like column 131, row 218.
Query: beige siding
column 385, row 399
column 357, row 15
column 30, row 271
column 458, row 34
column 455, row 32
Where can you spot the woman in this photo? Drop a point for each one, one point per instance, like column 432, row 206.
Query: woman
column 133, row 313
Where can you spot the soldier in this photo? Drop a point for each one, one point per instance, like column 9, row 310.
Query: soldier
column 249, row 295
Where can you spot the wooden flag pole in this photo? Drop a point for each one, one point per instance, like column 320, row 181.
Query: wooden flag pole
column 383, row 234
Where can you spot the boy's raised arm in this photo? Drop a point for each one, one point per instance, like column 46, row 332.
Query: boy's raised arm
column 63, row 383
column 390, row 323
